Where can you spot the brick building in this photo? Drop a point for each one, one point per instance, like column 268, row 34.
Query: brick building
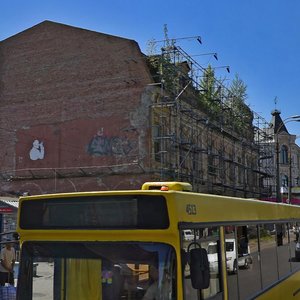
column 81, row 110
column 74, row 109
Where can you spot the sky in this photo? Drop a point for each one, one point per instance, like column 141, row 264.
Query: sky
column 258, row 40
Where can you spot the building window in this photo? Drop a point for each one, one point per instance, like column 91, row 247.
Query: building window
column 240, row 170
column 156, row 134
column 284, row 155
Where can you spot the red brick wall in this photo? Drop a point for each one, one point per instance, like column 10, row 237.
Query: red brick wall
column 63, row 85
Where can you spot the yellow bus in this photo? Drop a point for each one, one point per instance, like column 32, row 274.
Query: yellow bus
column 160, row 242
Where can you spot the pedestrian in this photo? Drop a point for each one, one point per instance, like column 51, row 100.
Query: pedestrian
column 7, row 262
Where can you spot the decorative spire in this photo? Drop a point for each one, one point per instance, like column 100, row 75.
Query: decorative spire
column 275, row 102
column 277, row 123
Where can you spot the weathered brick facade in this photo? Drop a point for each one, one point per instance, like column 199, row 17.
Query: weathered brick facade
column 80, row 98
column 80, row 111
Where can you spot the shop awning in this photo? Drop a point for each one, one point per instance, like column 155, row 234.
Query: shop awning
column 8, row 204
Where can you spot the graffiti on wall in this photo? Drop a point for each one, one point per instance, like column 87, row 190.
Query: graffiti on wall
column 101, row 144
column 37, row 151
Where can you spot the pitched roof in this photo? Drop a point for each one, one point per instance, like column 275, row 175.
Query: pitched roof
column 48, row 23
column 277, row 123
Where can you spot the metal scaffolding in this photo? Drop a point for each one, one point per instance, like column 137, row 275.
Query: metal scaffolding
column 204, row 147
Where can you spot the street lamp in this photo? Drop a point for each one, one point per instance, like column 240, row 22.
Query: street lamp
column 214, row 54
column 295, row 118
column 222, row 67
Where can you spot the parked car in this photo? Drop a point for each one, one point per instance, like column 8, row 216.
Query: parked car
column 188, row 235
column 244, row 259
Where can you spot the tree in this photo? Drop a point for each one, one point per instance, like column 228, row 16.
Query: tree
column 241, row 114
column 239, row 89
column 210, row 93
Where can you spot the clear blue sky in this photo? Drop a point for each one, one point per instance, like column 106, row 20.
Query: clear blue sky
column 258, row 39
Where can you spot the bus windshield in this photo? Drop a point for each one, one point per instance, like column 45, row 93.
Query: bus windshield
column 96, row 270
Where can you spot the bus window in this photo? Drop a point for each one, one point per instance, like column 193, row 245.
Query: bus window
column 241, row 247
column 267, row 238
column 293, row 233
column 231, row 264
column 98, row 271
column 248, row 261
column 283, row 249
column 208, row 239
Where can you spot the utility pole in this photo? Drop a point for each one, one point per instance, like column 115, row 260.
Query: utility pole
column 290, row 176
column 278, row 194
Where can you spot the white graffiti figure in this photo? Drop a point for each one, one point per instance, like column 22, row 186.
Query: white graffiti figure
column 37, row 151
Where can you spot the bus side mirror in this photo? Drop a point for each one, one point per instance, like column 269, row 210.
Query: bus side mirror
column 199, row 268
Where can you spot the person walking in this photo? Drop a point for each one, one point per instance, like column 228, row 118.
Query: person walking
column 7, row 262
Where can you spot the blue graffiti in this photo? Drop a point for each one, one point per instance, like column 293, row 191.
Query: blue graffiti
column 101, row 145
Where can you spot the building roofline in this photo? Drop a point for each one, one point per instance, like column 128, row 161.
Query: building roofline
column 66, row 26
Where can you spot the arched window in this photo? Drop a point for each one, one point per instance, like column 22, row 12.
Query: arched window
column 284, row 155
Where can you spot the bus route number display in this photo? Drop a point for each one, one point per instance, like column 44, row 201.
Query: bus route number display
column 191, row 209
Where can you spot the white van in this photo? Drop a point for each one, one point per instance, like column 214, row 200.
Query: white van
column 187, row 235
column 244, row 260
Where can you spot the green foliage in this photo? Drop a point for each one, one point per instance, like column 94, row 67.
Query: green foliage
column 239, row 89
column 151, row 48
column 265, row 234
column 224, row 105
column 210, row 93
column 240, row 111
column 154, row 65
column 165, row 72
column 161, row 67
